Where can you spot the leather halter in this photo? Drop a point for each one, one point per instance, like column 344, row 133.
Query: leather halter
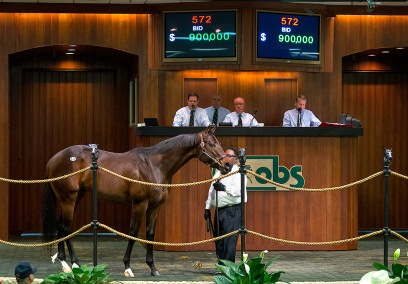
column 210, row 155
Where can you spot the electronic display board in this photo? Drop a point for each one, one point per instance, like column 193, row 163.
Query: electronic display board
column 200, row 36
column 288, row 37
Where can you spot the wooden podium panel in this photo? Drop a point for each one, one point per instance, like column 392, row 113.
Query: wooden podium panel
column 327, row 161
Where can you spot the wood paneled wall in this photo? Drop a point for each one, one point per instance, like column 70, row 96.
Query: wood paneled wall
column 160, row 86
column 24, row 31
column 57, row 102
column 300, row 216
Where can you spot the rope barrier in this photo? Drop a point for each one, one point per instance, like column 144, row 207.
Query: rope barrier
column 317, row 243
column 168, row 244
column 49, row 243
column 316, row 189
column 197, row 183
column 399, row 236
column 399, row 175
column 167, row 185
column 44, row 180
column 204, row 241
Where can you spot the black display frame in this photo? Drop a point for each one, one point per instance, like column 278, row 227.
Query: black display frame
column 232, row 56
column 275, row 55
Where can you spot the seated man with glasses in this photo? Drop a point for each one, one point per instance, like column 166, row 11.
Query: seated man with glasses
column 239, row 117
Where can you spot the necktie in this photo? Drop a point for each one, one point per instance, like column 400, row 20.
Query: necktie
column 215, row 117
column 239, row 119
column 191, row 118
column 299, row 120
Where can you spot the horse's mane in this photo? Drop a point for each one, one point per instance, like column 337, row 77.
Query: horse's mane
column 180, row 141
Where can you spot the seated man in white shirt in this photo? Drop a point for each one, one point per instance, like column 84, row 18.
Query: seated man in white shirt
column 191, row 115
column 239, row 117
column 216, row 113
column 300, row 116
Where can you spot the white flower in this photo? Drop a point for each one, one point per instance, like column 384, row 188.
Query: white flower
column 247, row 269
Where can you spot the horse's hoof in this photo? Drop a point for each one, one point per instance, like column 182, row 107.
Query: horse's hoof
column 129, row 273
column 155, row 273
column 75, row 265
column 65, row 266
column 66, row 269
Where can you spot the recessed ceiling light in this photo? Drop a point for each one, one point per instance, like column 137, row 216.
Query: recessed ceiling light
column 371, row 55
column 400, row 48
column 385, row 51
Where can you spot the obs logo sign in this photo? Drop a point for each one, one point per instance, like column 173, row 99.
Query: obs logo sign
column 268, row 167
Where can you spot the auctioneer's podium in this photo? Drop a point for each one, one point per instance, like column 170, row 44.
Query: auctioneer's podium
column 325, row 157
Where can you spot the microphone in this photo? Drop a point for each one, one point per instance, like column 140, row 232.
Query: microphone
column 253, row 117
column 193, row 107
column 299, row 121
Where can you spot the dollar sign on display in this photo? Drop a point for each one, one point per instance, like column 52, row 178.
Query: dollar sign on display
column 172, row 37
column 263, row 36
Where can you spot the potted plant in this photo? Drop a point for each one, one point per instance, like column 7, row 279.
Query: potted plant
column 397, row 274
column 81, row 275
column 247, row 271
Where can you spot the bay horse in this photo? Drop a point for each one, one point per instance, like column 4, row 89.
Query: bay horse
column 155, row 164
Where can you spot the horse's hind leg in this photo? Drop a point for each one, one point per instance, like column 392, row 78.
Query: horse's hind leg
column 72, row 254
column 62, row 232
column 65, row 222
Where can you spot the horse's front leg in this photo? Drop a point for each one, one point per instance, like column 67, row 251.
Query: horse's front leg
column 151, row 218
column 135, row 221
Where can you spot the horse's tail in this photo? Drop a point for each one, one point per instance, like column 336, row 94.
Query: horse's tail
column 49, row 222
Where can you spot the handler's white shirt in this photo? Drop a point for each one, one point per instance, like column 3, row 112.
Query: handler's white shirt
column 232, row 193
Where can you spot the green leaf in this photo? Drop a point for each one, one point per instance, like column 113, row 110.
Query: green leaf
column 271, row 261
column 276, row 276
column 380, row 266
column 221, row 279
column 397, row 270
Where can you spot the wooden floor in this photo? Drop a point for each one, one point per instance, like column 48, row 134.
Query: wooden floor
column 300, row 266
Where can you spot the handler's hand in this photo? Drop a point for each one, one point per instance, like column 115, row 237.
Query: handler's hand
column 207, row 214
column 218, row 186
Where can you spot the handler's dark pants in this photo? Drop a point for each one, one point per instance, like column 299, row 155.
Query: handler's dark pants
column 229, row 220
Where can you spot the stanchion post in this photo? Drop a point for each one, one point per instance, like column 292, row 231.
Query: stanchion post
column 242, row 171
column 95, row 223
column 386, row 171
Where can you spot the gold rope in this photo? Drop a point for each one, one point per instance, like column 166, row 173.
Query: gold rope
column 203, row 241
column 43, row 180
column 316, row 243
column 167, row 185
column 49, row 243
column 399, row 175
column 315, row 189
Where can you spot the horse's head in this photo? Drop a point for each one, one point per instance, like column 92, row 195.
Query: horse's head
column 210, row 151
